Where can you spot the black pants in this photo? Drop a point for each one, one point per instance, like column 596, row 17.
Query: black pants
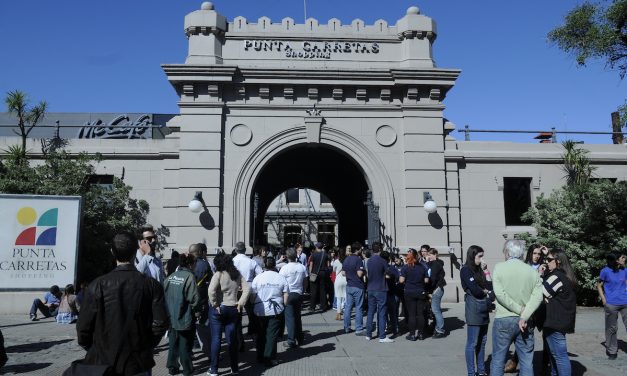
column 415, row 302
column 268, row 328
column 319, row 291
column 3, row 352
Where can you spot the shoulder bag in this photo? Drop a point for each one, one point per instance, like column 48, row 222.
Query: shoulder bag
column 313, row 277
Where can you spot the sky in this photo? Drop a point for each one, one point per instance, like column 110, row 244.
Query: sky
column 106, row 56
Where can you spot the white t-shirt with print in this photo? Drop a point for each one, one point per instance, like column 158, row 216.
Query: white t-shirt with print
column 294, row 273
column 269, row 288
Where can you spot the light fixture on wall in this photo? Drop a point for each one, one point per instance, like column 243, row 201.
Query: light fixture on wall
column 430, row 206
column 196, row 204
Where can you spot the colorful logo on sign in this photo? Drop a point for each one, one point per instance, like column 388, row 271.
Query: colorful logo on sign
column 44, row 232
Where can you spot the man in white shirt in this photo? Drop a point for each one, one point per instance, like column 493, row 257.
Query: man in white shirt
column 249, row 269
column 270, row 292
column 295, row 274
column 145, row 261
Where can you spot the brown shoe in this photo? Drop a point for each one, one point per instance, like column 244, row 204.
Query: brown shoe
column 510, row 366
column 338, row 317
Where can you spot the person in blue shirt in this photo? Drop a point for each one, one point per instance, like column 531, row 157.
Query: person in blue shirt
column 612, row 287
column 414, row 277
column 377, row 293
column 49, row 306
column 391, row 279
column 353, row 270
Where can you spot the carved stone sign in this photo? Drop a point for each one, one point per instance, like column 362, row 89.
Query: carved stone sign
column 311, row 50
column 121, row 127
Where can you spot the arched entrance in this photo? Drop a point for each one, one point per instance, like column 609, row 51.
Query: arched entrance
column 324, row 169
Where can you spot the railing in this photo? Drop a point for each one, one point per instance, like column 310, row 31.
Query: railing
column 553, row 132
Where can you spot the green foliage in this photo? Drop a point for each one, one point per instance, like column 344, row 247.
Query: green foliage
column 576, row 165
column 105, row 211
column 595, row 31
column 622, row 113
column 587, row 221
column 27, row 116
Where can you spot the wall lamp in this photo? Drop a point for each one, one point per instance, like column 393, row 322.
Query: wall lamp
column 196, row 204
column 430, row 206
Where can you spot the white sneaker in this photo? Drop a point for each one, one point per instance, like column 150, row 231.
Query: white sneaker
column 368, row 338
column 211, row 374
column 386, row 340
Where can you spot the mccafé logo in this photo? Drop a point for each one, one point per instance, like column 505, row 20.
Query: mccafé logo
column 42, row 230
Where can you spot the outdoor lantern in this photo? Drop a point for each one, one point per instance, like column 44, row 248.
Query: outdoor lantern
column 430, row 205
column 195, row 205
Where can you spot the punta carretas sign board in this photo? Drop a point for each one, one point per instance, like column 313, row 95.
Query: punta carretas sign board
column 38, row 241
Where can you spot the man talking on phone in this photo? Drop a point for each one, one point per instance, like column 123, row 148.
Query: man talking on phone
column 145, row 260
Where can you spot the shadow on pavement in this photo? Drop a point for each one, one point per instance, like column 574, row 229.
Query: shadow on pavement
column 24, row 368
column 35, row 346
column 23, row 324
column 453, row 323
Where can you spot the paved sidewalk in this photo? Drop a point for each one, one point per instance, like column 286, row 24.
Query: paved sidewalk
column 46, row 348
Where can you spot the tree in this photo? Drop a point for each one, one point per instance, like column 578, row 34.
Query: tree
column 587, row 221
column 105, row 211
column 595, row 31
column 576, row 165
column 27, row 117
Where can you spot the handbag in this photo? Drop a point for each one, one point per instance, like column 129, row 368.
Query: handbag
column 477, row 311
column 313, row 277
column 79, row 368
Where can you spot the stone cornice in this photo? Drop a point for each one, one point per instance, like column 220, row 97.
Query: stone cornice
column 344, row 107
column 194, row 73
column 527, row 157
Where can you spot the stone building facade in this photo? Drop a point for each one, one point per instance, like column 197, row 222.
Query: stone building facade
column 355, row 112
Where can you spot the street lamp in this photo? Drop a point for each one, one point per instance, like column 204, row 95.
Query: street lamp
column 196, row 204
column 430, row 205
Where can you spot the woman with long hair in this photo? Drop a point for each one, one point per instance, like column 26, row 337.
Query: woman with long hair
column 415, row 278
column 477, row 283
column 68, row 307
column 339, row 284
column 224, row 309
column 613, row 294
column 559, row 285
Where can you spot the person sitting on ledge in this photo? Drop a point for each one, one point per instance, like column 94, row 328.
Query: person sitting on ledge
column 50, row 304
column 69, row 306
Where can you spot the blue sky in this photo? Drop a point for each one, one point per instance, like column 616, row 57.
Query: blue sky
column 105, row 56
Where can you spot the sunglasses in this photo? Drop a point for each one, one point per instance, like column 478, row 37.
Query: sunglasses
column 149, row 238
column 549, row 259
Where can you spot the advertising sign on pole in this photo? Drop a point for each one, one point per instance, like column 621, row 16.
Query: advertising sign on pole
column 39, row 238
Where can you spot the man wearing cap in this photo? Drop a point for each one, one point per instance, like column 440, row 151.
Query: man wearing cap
column 319, row 266
column 249, row 269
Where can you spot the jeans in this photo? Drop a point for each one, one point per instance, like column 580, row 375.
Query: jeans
column 377, row 302
column 476, row 338
column 436, row 308
column 505, row 331
column 611, row 325
column 560, row 363
column 45, row 310
column 226, row 320
column 180, row 347
column 354, row 298
column 293, row 320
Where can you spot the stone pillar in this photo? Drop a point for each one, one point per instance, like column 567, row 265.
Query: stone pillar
column 417, row 33
column 205, row 31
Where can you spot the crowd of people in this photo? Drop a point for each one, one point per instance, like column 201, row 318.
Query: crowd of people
column 192, row 300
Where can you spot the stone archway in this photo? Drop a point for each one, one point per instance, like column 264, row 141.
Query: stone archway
column 373, row 172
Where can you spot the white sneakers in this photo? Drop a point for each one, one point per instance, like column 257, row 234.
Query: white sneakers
column 386, row 340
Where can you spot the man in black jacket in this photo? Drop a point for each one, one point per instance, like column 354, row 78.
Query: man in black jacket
column 123, row 316
column 437, row 287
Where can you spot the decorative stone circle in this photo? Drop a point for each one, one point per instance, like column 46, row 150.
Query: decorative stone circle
column 207, row 5
column 386, row 135
column 241, row 135
column 413, row 10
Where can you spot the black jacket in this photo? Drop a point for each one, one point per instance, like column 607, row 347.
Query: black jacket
column 437, row 274
column 561, row 302
column 105, row 311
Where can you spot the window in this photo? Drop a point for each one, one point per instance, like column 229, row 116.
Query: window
column 324, row 199
column 105, row 182
column 292, row 196
column 517, row 199
column 291, row 235
column 326, row 234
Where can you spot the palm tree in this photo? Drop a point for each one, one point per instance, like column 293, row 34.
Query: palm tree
column 27, row 117
column 576, row 164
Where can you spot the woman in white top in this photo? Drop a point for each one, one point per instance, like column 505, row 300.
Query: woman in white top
column 340, row 282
